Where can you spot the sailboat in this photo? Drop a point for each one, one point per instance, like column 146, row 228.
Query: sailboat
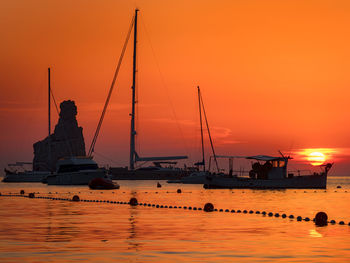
column 17, row 171
column 200, row 176
column 157, row 171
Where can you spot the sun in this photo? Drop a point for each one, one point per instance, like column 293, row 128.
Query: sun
column 316, row 158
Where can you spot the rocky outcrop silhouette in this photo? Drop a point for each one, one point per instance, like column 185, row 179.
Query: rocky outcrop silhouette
column 67, row 140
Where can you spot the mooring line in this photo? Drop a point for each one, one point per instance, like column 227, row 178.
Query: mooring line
column 320, row 219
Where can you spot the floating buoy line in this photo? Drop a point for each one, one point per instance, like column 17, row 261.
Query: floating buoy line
column 321, row 218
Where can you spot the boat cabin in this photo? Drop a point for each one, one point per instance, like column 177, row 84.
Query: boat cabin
column 268, row 167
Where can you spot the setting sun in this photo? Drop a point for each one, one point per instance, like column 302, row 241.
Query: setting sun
column 316, row 158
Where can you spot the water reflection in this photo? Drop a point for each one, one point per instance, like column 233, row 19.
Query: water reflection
column 61, row 230
column 132, row 242
column 314, row 233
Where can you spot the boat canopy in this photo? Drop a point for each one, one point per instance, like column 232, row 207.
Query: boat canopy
column 267, row 158
column 255, row 157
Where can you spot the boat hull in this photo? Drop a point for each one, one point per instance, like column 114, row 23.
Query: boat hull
column 25, row 177
column 75, row 178
column 297, row 182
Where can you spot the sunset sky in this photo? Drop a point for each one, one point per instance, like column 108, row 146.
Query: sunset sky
column 274, row 75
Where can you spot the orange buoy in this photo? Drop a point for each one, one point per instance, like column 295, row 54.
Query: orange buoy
column 76, row 198
column 133, row 201
column 31, row 195
column 321, row 219
column 208, row 207
column 22, row 192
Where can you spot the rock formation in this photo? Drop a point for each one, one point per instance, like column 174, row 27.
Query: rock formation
column 67, row 140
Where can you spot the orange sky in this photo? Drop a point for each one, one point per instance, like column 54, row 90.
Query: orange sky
column 274, row 74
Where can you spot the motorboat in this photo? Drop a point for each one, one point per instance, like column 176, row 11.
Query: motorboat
column 269, row 172
column 103, row 184
column 76, row 171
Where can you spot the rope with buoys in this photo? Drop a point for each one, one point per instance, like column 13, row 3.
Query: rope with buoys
column 320, row 219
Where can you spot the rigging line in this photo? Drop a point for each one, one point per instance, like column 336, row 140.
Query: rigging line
column 200, row 121
column 92, row 146
column 105, row 157
column 211, row 141
column 164, row 85
column 64, row 129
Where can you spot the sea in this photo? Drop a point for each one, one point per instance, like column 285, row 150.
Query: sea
column 169, row 225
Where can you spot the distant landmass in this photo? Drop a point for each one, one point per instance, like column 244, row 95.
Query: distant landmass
column 67, row 140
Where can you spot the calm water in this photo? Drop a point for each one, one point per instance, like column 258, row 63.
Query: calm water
column 40, row 230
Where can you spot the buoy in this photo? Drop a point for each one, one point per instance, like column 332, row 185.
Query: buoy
column 159, row 185
column 161, row 206
column 263, row 213
column 270, row 214
column 157, row 206
column 185, row 207
column 76, row 198
column 257, row 212
column 338, row 186
column 190, row 208
column 307, row 219
column 31, row 195
column 251, row 212
column 233, row 211
column 277, row 215
column 178, row 191
column 194, row 208
column 341, row 223
column 208, row 207
column 227, row 210
column 332, row 222
column 299, row 218
column 175, row 206
column 291, row 216
column 221, row 210
column 22, row 192
column 245, row 211
column 321, row 219
column 133, row 201
column 284, row 215
column 199, row 208
column 238, row 211
column 170, row 206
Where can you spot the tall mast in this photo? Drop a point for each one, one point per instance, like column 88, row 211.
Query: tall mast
column 200, row 120
column 49, row 101
column 133, row 131
column 49, row 118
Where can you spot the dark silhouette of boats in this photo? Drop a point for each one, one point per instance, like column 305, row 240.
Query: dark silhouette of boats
column 269, row 172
